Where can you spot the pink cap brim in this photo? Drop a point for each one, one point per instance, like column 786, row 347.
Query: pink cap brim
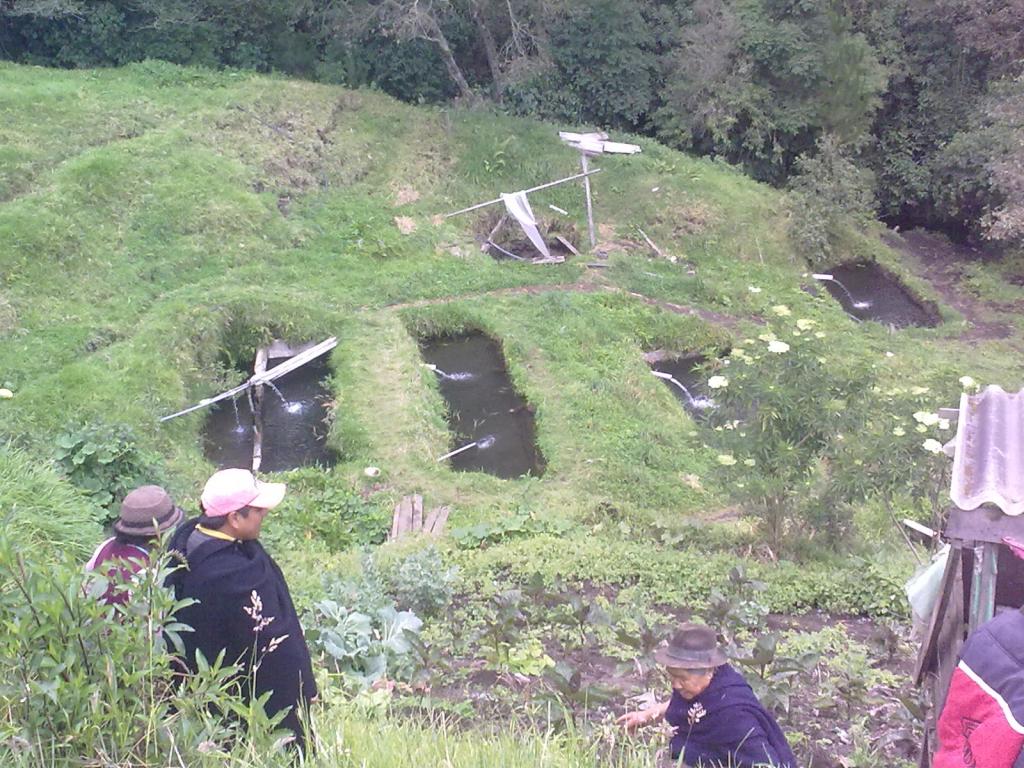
column 269, row 495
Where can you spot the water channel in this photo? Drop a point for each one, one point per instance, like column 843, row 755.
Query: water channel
column 294, row 423
column 492, row 426
column 868, row 292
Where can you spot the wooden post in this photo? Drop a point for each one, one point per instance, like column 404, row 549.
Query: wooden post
column 983, row 584
column 256, row 404
column 586, row 188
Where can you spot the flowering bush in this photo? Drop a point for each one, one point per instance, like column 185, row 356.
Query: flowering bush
column 804, row 434
column 785, row 409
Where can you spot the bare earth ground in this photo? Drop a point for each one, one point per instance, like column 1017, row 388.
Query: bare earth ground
column 941, row 262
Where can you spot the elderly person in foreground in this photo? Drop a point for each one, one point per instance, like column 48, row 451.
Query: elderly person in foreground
column 716, row 717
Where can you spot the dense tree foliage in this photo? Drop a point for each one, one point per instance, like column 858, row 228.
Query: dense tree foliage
column 924, row 94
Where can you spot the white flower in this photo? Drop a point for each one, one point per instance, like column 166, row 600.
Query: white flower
column 726, row 460
column 968, row 383
column 928, row 419
column 749, row 462
column 753, row 289
column 804, row 324
column 899, row 431
column 718, row 382
column 918, row 390
column 781, row 310
column 921, row 428
column 932, row 446
column 778, row 347
column 943, row 423
column 6, row 394
column 889, row 354
column 819, row 334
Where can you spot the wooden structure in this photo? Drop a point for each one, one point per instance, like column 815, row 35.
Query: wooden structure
column 409, row 518
column 982, row 575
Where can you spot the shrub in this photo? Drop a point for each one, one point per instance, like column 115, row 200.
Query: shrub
column 828, row 189
column 105, row 462
column 423, row 584
column 785, row 406
column 87, row 683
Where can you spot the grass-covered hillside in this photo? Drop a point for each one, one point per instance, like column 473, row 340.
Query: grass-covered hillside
column 158, row 223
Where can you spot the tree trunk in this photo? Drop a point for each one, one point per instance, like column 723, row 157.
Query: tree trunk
column 449, row 59
column 490, row 50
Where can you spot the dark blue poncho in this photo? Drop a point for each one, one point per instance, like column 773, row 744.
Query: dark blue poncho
column 245, row 610
column 726, row 725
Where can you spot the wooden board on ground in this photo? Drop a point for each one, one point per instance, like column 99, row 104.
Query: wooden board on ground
column 409, row 518
column 436, row 519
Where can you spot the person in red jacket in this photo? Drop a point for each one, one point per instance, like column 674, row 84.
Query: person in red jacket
column 982, row 721
column 146, row 513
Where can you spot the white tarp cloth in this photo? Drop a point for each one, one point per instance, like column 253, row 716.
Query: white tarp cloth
column 519, row 208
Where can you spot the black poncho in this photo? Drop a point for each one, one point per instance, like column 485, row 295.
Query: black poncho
column 245, row 610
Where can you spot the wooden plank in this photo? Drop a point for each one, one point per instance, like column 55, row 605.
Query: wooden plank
column 436, row 520
column 951, row 640
column 590, row 204
column 395, row 517
column 255, row 395
column 431, row 520
column 404, row 516
column 417, row 513
column 926, row 658
column 490, row 238
column 983, row 524
column 567, row 245
column 256, row 409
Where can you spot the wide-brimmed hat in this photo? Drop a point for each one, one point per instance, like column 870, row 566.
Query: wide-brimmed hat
column 147, row 511
column 692, row 646
column 232, row 489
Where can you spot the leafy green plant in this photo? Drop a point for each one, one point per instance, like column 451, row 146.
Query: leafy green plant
column 336, row 515
column 521, row 523
column 104, row 461
column 643, row 638
column 364, row 648
column 423, row 584
column 775, row 678
column 84, row 681
column 785, row 405
column 568, row 696
column 734, row 608
column 580, row 612
column 503, row 622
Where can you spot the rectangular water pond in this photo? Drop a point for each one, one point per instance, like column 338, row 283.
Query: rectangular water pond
column 484, row 409
column 294, row 427
column 682, row 375
column 869, row 292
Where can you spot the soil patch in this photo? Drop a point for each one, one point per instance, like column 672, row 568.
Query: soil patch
column 823, row 706
column 942, row 262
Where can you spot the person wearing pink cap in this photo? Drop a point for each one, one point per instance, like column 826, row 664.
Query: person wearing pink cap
column 243, row 608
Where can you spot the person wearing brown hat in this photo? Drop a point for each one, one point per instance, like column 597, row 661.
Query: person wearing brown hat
column 716, row 717
column 146, row 513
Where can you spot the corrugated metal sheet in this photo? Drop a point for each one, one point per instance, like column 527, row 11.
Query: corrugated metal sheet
column 988, row 458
